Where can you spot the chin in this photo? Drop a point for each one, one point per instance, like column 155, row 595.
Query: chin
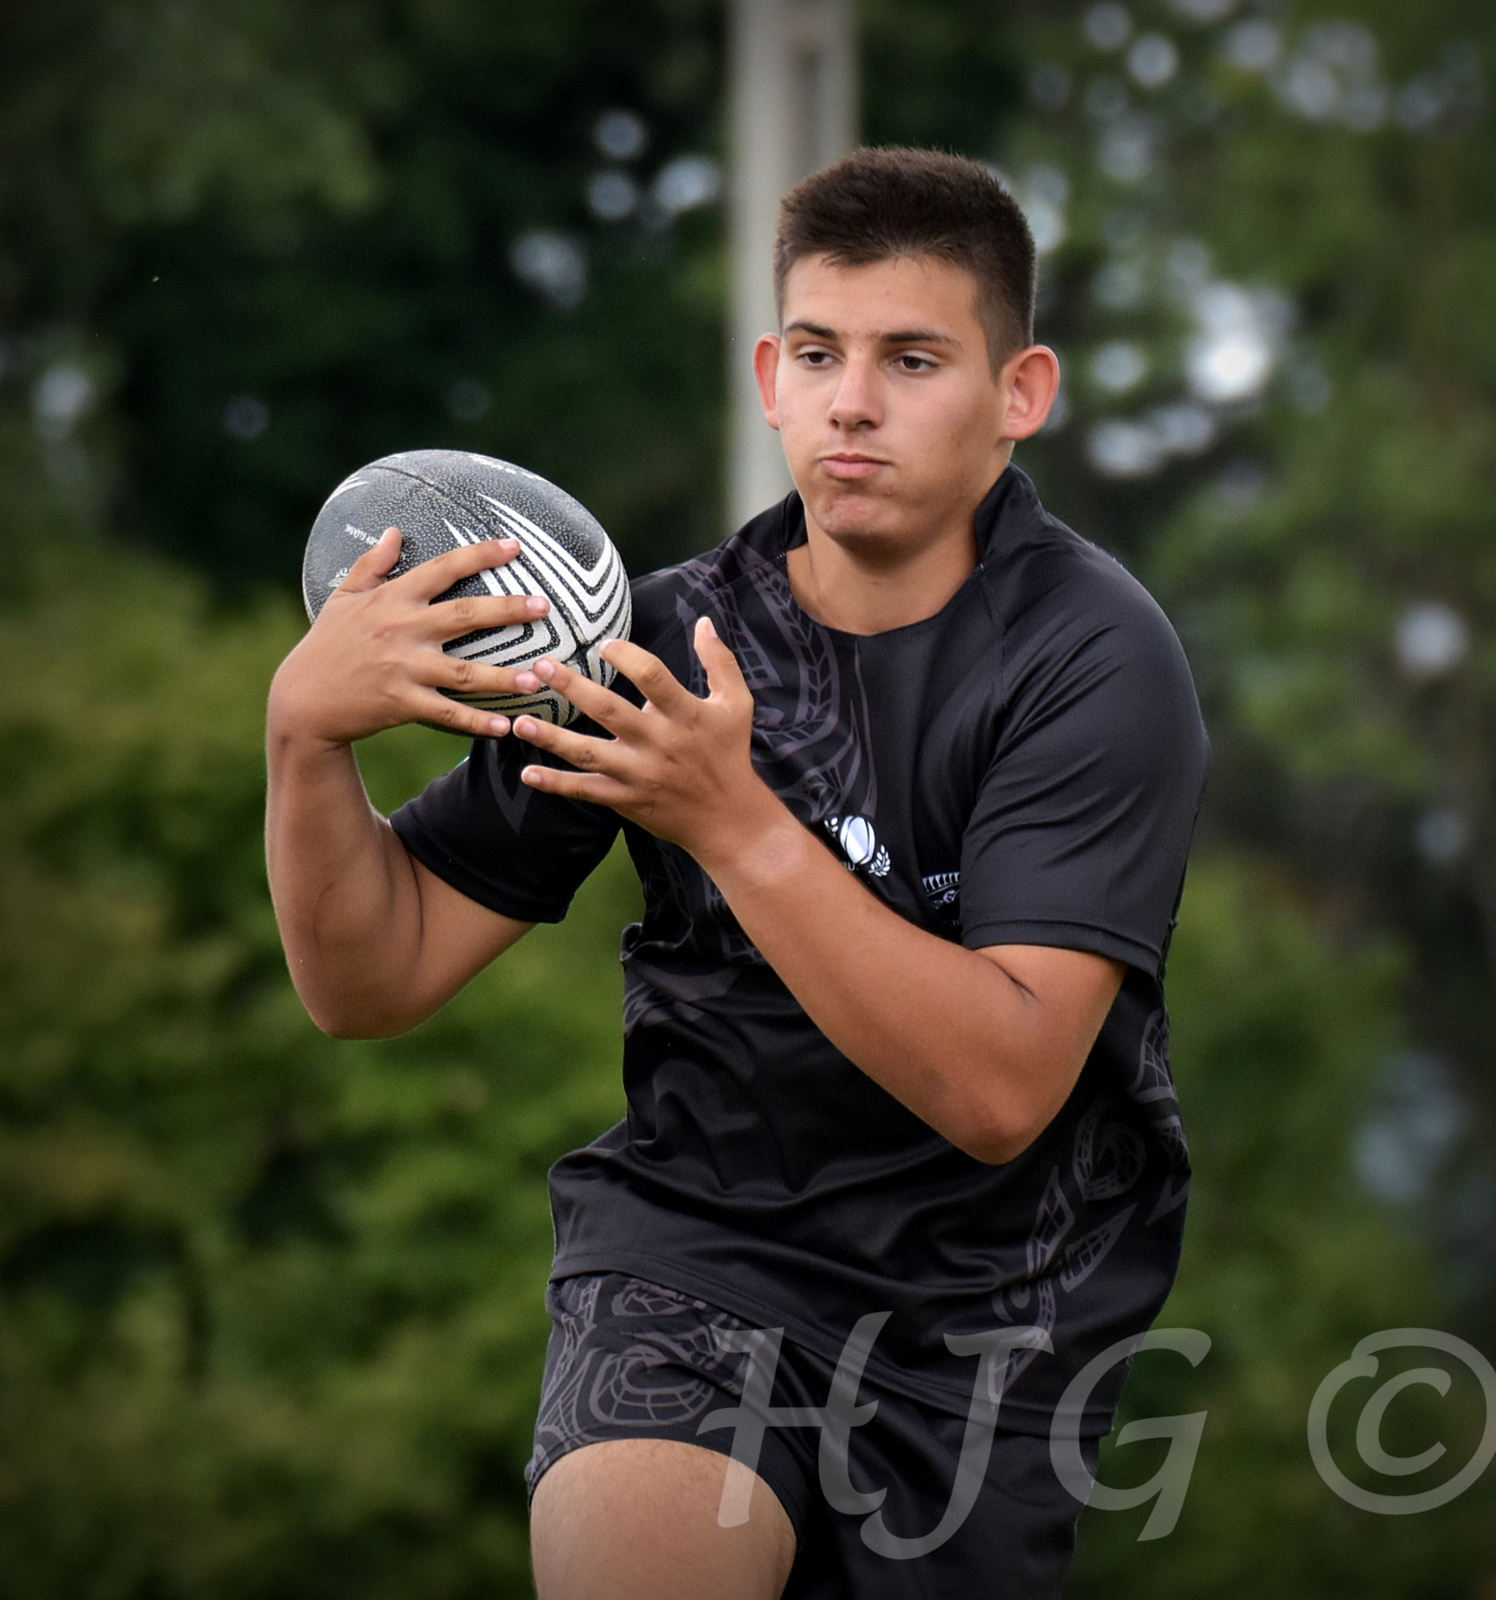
column 851, row 513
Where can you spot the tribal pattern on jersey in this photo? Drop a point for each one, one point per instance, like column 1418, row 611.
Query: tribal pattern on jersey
column 811, row 749
column 812, row 752
column 1108, row 1158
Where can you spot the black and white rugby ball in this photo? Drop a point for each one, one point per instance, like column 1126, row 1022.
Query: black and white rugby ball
column 440, row 499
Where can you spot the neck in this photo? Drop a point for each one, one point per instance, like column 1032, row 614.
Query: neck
column 872, row 590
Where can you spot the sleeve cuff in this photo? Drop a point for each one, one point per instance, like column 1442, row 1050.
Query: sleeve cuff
column 455, row 871
column 1066, row 936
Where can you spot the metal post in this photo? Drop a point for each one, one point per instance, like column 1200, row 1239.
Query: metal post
column 793, row 72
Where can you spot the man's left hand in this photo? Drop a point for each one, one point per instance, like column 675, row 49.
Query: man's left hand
column 679, row 765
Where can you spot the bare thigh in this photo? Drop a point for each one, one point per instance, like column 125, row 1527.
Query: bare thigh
column 636, row 1519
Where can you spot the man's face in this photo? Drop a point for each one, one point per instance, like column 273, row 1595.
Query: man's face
column 892, row 420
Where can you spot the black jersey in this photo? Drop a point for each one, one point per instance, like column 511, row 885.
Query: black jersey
column 1024, row 767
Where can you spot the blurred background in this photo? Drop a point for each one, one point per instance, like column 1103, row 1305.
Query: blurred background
column 270, row 1305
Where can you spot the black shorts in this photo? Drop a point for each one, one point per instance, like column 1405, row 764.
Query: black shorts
column 630, row 1360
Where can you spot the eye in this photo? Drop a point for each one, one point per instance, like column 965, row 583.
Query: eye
column 813, row 356
column 910, row 362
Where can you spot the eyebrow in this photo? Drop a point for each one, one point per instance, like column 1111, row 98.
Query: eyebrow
column 900, row 336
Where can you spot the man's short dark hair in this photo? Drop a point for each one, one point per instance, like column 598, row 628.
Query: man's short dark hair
column 879, row 204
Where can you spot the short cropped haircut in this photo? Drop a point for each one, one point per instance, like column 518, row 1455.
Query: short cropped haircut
column 880, row 204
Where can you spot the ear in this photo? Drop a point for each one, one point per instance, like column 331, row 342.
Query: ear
column 1029, row 383
column 766, row 373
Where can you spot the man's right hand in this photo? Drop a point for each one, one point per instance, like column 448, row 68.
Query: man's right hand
column 373, row 659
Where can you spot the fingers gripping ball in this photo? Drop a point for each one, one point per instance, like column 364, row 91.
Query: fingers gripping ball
column 440, row 499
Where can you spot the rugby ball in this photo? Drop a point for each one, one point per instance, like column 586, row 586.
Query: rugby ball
column 440, row 499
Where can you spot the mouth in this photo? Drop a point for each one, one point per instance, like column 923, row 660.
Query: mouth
column 850, row 465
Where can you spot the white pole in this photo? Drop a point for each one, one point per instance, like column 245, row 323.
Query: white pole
column 793, row 71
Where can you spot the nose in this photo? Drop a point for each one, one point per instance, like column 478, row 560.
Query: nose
column 856, row 403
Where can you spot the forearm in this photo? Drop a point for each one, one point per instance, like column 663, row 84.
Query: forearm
column 944, row 1029
column 343, row 887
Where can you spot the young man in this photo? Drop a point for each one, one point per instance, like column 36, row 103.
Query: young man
column 909, row 773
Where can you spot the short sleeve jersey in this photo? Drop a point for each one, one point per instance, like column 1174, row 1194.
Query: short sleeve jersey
column 1023, row 767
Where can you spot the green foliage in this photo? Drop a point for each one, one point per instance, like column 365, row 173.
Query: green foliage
column 314, row 210
column 1278, row 1043
column 272, row 1314
column 1319, row 517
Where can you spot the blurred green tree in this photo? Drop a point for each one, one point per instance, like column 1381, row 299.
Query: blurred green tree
column 270, row 1307
column 281, row 240
column 1288, row 1262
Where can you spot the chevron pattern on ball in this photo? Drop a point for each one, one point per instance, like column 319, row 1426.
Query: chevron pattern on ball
column 440, row 499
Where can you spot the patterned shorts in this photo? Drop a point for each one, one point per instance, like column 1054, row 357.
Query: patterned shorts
column 633, row 1360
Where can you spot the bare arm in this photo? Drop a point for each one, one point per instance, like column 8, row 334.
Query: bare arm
column 375, row 942
column 985, row 1046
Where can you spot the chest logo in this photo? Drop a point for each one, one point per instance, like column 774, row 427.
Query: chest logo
column 859, row 845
